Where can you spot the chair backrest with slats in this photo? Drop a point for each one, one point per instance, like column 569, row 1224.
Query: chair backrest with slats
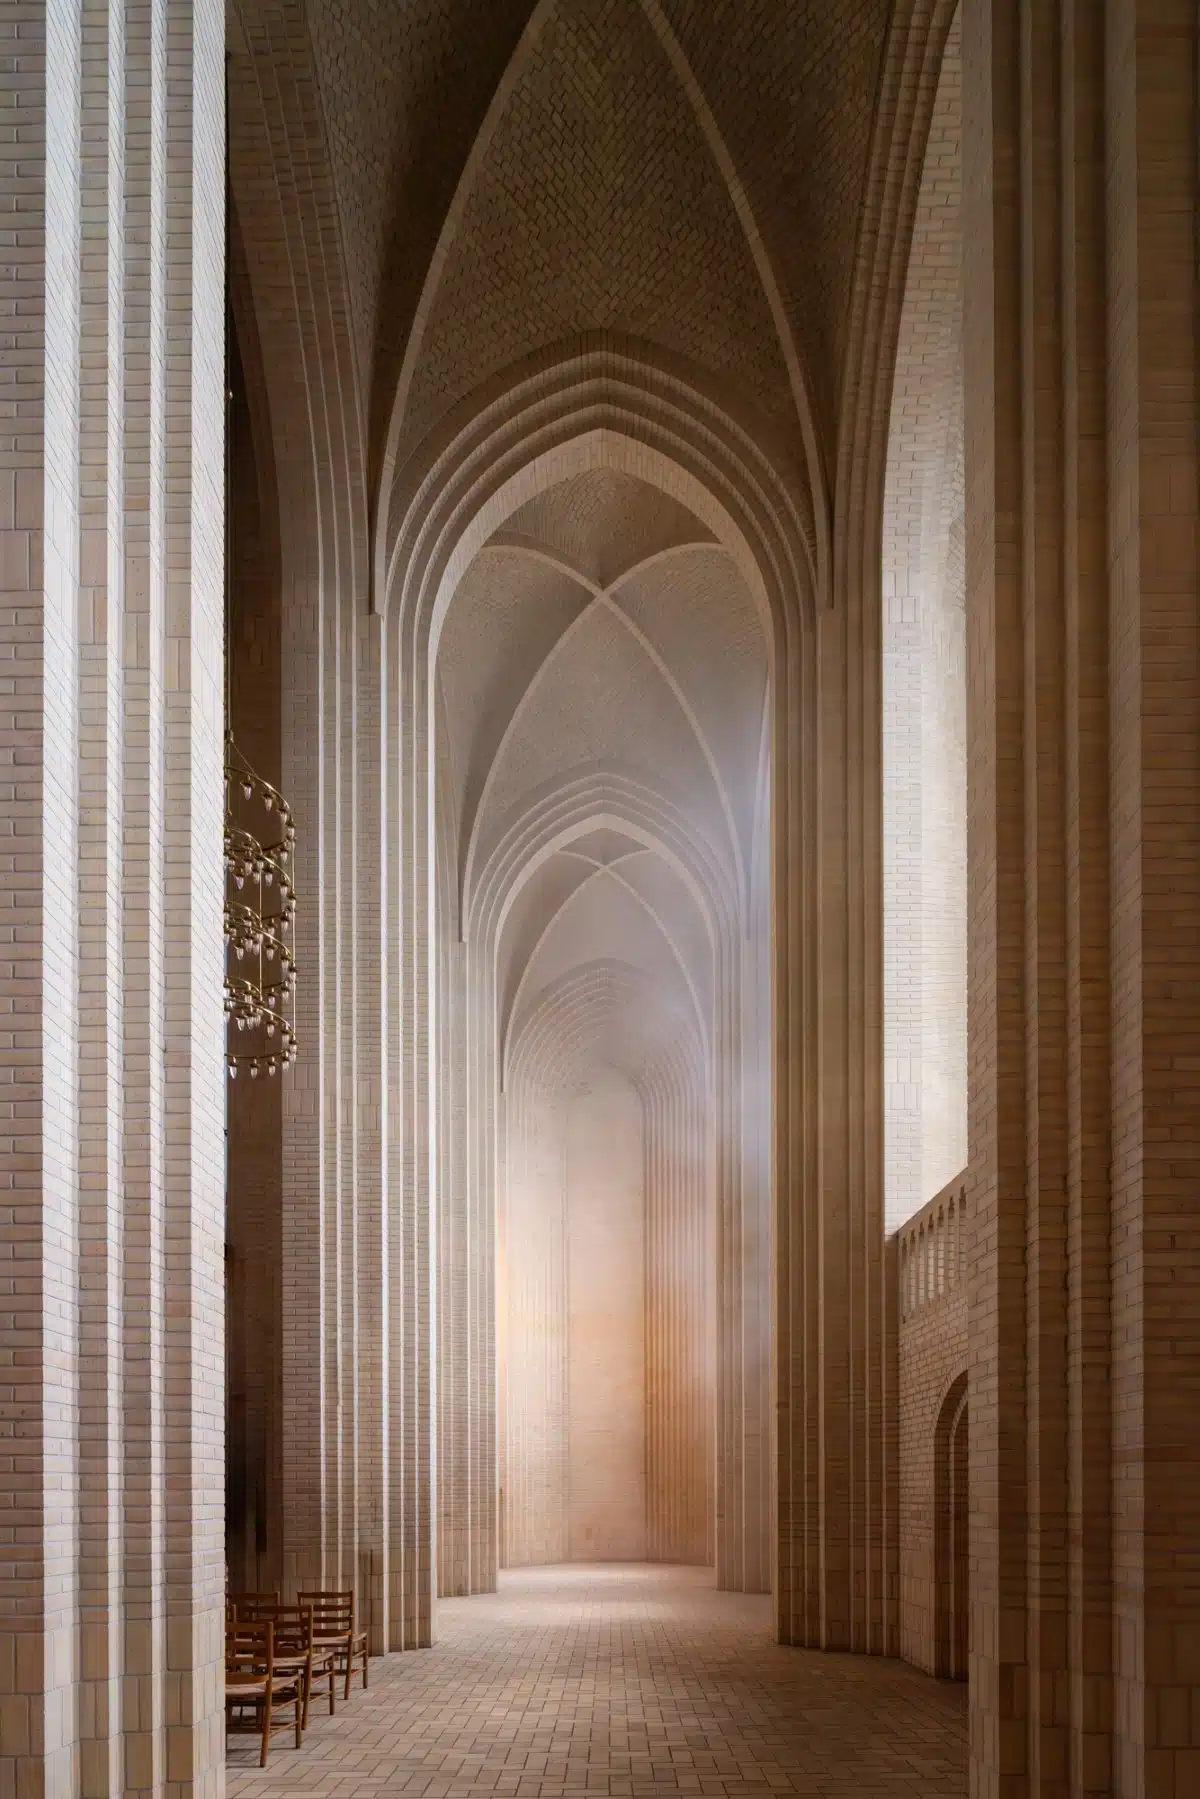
column 252, row 1605
column 293, row 1629
column 333, row 1612
column 250, row 1648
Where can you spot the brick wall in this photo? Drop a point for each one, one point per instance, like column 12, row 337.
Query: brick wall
column 924, row 692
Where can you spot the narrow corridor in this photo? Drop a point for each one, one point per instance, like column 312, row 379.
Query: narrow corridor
column 631, row 1680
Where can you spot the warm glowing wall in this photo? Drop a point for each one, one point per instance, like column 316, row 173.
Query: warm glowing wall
column 606, row 1324
column 607, row 1374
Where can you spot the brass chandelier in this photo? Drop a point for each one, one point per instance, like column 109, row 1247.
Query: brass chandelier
column 260, row 913
column 260, row 839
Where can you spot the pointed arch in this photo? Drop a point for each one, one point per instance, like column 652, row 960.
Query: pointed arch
column 815, row 485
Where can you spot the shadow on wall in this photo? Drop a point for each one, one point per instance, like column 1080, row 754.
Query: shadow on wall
column 950, row 1535
column 931, row 1309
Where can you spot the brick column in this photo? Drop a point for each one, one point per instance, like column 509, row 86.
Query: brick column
column 1154, row 692
column 1083, row 720
column 40, row 181
column 112, row 513
column 1088, row 1651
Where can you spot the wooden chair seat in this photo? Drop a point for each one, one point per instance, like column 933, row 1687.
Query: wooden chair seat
column 296, row 1647
column 320, row 1671
column 282, row 1686
column 335, row 1629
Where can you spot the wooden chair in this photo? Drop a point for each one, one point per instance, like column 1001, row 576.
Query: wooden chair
column 334, row 1628
column 296, row 1650
column 256, row 1691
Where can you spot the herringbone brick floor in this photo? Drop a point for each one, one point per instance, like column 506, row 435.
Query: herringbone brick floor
column 636, row 1680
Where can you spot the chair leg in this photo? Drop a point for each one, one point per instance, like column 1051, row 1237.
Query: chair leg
column 307, row 1693
column 298, row 1704
column 366, row 1655
column 266, row 1736
column 332, row 1690
column 349, row 1667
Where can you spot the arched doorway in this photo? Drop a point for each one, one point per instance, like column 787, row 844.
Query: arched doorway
column 952, row 1535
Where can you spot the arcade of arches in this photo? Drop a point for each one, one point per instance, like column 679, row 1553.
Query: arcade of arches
column 708, row 551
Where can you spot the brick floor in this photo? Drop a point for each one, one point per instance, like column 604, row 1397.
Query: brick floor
column 635, row 1680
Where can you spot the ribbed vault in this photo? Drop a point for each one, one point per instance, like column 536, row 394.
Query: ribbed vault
column 601, row 774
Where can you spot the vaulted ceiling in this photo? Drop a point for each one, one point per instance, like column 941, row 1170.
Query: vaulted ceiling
column 687, row 171
column 603, row 642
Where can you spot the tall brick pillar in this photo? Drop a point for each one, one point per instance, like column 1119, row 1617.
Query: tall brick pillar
column 111, row 534
column 1154, row 697
column 1083, row 655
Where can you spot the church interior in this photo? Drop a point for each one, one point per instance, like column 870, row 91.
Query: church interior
column 601, row 613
